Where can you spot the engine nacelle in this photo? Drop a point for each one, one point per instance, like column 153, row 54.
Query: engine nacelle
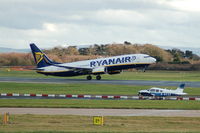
column 99, row 70
column 103, row 70
column 114, row 72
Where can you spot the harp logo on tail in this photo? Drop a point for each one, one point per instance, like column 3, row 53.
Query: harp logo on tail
column 39, row 56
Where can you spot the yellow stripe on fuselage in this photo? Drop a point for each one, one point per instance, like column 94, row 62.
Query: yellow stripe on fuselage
column 98, row 72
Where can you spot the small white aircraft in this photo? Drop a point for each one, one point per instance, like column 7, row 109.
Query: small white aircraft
column 110, row 65
column 160, row 92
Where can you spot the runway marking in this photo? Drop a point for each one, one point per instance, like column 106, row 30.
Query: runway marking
column 68, row 96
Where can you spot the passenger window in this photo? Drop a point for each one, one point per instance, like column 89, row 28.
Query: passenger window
column 152, row 90
column 157, row 90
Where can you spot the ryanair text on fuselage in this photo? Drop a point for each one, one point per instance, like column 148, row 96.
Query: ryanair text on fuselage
column 112, row 61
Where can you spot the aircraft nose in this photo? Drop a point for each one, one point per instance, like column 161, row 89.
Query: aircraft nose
column 153, row 59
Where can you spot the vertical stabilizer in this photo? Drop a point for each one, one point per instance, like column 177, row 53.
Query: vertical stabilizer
column 181, row 88
column 40, row 58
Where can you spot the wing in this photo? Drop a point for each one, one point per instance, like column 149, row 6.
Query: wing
column 82, row 69
column 76, row 69
column 38, row 69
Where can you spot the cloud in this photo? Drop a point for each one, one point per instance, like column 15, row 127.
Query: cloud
column 186, row 5
column 121, row 17
column 51, row 23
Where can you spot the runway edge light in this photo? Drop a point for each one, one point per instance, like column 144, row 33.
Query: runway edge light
column 98, row 120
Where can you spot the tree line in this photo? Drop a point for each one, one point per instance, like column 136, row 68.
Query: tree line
column 72, row 53
column 172, row 56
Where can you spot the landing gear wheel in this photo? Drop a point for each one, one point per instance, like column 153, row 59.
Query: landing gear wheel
column 98, row 77
column 144, row 69
column 89, row 77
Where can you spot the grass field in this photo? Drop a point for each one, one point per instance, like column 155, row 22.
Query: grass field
column 135, row 75
column 89, row 89
column 9, row 87
column 69, row 88
column 78, row 103
column 64, row 123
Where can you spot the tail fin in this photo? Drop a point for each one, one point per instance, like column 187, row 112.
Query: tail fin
column 181, row 88
column 40, row 58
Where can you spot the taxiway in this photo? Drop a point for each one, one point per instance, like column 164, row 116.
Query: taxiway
column 117, row 82
column 102, row 112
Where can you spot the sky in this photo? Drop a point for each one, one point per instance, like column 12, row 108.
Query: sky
column 50, row 23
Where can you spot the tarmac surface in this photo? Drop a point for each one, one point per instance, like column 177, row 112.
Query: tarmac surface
column 102, row 112
column 117, row 82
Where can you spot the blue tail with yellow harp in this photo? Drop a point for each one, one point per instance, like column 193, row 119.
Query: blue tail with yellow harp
column 40, row 58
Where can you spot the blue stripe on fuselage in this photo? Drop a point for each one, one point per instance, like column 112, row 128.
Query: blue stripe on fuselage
column 164, row 94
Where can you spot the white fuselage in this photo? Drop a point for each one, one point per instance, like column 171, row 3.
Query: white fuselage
column 161, row 92
column 100, row 64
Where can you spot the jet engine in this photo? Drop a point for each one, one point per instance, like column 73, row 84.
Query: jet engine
column 114, row 72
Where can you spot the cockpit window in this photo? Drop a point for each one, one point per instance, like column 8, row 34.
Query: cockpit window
column 147, row 56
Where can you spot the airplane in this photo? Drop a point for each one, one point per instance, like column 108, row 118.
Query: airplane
column 160, row 92
column 109, row 65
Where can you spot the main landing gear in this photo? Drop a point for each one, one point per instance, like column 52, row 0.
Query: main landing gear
column 144, row 69
column 98, row 77
column 89, row 77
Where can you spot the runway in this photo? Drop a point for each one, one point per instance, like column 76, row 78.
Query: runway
column 102, row 112
column 117, row 82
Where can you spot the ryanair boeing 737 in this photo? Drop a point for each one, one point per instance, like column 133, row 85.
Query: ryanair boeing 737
column 110, row 65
